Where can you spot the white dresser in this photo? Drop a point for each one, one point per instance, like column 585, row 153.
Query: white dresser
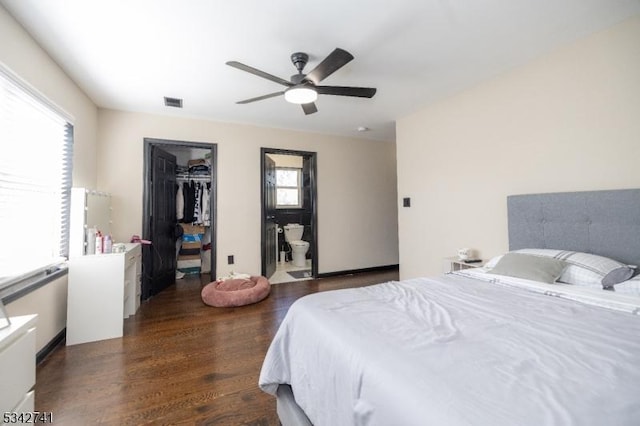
column 18, row 365
column 103, row 290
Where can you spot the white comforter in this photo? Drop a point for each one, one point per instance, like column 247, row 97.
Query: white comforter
column 456, row 351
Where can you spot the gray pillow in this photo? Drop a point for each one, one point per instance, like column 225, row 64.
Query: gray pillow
column 617, row 276
column 529, row 267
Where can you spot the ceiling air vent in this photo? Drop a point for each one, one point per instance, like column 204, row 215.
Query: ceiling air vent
column 173, row 102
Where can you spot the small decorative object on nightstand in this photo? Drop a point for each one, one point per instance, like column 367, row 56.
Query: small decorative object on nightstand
column 464, row 253
column 453, row 264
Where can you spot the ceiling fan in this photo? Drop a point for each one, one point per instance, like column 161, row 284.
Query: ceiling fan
column 303, row 89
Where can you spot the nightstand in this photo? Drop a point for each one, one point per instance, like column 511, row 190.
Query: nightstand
column 453, row 264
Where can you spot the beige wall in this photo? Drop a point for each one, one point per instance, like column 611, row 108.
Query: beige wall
column 569, row 121
column 357, row 216
column 22, row 55
column 50, row 303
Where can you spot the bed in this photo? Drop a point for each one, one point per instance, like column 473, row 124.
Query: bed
column 476, row 347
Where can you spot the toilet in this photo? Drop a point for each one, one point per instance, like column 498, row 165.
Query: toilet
column 293, row 235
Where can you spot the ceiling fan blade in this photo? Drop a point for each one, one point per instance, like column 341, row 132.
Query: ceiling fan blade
column 309, row 108
column 360, row 92
column 259, row 73
column 336, row 60
column 259, row 98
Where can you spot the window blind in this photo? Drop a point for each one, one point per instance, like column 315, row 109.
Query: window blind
column 36, row 150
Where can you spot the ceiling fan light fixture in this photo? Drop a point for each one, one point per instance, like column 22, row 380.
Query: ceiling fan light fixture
column 302, row 89
column 300, row 95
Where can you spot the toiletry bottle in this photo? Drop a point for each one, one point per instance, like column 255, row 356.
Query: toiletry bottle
column 99, row 243
column 91, row 240
column 107, row 243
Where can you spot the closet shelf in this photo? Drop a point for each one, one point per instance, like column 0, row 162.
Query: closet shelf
column 197, row 178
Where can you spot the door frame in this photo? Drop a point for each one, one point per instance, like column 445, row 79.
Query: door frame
column 149, row 144
column 312, row 156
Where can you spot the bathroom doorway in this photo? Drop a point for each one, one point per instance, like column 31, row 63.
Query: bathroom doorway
column 288, row 197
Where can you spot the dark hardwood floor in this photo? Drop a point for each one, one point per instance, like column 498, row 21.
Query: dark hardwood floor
column 179, row 362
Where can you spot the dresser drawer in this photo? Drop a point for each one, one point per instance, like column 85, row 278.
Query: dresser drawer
column 17, row 370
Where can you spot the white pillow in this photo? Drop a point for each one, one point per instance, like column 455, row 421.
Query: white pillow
column 585, row 268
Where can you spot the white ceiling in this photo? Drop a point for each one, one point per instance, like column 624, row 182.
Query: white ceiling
column 129, row 54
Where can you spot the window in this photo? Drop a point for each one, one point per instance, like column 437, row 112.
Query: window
column 288, row 188
column 36, row 142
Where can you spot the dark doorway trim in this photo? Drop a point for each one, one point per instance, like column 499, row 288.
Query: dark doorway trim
column 394, row 267
column 313, row 172
column 149, row 143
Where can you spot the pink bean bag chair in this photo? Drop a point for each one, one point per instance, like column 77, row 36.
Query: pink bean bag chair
column 236, row 292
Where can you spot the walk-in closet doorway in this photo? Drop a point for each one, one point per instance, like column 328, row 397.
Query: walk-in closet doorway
column 173, row 169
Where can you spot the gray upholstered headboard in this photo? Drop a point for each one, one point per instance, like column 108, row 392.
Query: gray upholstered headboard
column 606, row 223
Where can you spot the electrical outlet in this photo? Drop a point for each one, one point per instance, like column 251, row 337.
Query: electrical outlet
column 406, row 202
column 230, row 260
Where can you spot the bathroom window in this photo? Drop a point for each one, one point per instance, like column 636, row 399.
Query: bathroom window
column 288, row 188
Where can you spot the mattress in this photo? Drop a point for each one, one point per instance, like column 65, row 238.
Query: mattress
column 457, row 351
